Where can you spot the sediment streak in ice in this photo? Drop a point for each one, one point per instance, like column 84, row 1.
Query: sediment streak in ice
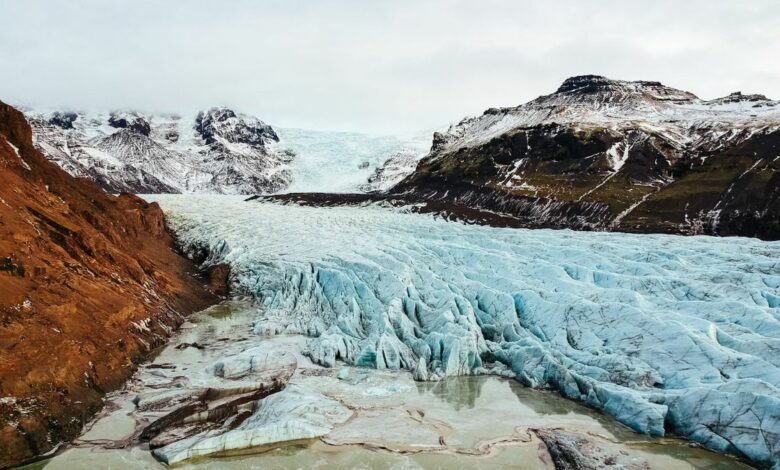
column 664, row 333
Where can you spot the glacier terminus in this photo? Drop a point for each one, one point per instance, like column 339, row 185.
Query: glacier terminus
column 667, row 334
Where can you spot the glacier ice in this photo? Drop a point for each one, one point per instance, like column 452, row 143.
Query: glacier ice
column 665, row 333
column 284, row 416
column 400, row 165
column 328, row 161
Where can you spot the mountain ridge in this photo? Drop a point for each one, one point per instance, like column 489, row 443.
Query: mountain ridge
column 601, row 154
column 216, row 151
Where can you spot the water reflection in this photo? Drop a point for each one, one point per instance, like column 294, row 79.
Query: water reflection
column 459, row 392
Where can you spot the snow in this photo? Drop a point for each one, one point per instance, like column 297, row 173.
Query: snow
column 400, row 165
column 242, row 156
column 25, row 165
column 664, row 333
column 99, row 157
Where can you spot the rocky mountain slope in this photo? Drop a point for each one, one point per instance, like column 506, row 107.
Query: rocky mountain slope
column 601, row 154
column 216, row 151
column 88, row 286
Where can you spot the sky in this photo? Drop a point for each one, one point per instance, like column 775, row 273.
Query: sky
column 379, row 66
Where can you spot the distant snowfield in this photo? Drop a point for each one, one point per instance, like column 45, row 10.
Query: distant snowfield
column 331, row 161
column 665, row 333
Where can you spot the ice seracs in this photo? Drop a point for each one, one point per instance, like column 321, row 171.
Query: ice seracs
column 216, row 151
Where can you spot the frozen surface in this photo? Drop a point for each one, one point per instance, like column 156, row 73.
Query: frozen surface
column 285, row 416
column 400, row 165
column 348, row 417
column 664, row 333
column 343, row 161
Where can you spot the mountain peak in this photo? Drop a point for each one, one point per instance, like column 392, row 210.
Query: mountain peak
column 584, row 84
column 588, row 85
column 738, row 96
column 132, row 121
column 220, row 150
column 233, row 127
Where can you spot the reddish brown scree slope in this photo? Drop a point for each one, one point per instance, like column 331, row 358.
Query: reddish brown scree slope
column 88, row 285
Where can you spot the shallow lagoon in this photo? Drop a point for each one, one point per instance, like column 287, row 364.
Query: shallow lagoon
column 465, row 421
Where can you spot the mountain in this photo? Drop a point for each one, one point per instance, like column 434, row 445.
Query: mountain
column 602, row 154
column 216, row 151
column 89, row 286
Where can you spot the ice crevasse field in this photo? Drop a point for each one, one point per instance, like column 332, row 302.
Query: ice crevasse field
column 666, row 334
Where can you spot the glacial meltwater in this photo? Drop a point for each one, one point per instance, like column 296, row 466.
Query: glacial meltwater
column 415, row 342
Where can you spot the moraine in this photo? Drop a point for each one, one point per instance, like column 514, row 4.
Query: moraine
column 668, row 335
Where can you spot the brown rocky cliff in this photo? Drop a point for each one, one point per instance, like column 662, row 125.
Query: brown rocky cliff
column 89, row 285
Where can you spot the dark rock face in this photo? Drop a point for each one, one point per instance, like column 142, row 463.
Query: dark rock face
column 219, row 280
column 63, row 119
column 596, row 84
column 129, row 121
column 584, row 84
column 225, row 123
column 601, row 154
column 737, row 97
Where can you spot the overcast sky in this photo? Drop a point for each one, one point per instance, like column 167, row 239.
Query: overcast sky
column 377, row 66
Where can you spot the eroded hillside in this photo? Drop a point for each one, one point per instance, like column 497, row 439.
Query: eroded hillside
column 88, row 286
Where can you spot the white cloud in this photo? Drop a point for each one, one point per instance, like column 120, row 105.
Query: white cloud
column 376, row 66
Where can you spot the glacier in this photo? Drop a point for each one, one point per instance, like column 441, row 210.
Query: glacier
column 332, row 161
column 667, row 334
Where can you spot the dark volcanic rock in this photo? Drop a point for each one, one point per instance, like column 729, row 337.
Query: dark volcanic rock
column 129, row 121
column 63, row 119
column 224, row 123
column 584, row 84
column 737, row 97
column 574, row 451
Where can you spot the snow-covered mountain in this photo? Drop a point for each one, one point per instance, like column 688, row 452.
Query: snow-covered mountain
column 595, row 102
column 215, row 151
column 615, row 155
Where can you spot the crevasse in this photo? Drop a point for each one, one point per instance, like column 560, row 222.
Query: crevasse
column 665, row 333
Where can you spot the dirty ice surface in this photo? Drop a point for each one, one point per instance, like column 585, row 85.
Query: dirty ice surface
column 664, row 333
column 361, row 417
